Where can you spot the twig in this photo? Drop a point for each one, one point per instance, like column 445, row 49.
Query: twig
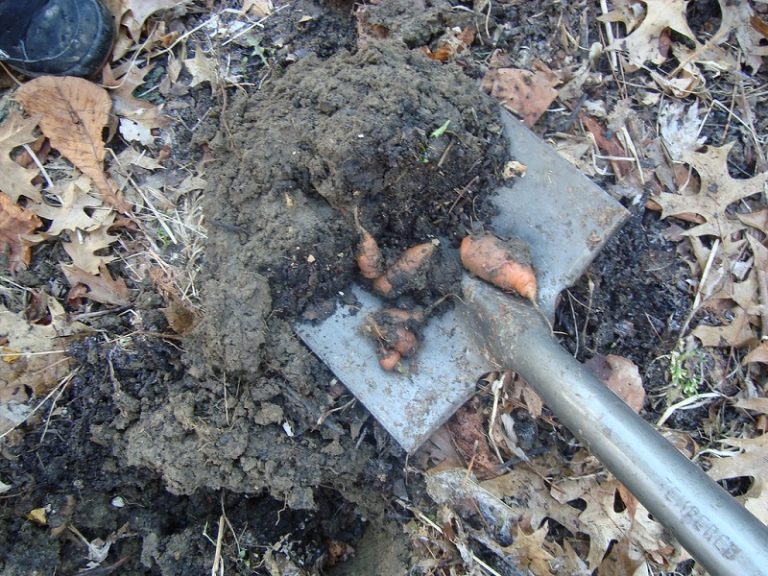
column 762, row 284
column 217, row 569
column 704, row 276
column 613, row 57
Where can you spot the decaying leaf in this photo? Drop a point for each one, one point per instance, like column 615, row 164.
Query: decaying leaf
column 680, row 128
column 259, row 8
column 73, row 113
column 33, row 358
column 644, row 43
column 604, row 525
column 202, row 68
column 717, row 192
column 621, row 376
column 525, row 486
column 451, row 44
column 102, row 288
column 751, row 462
column 76, row 209
column 527, row 94
column 121, row 83
column 84, row 247
column 531, row 551
column 15, row 223
column 16, row 180
column 468, row 430
column 736, row 334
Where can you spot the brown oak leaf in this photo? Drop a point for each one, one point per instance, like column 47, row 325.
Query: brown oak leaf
column 73, row 113
column 102, row 288
column 621, row 376
column 121, row 85
column 16, row 180
column 752, row 462
column 15, row 223
column 83, row 247
column 644, row 43
column 717, row 192
column 527, row 94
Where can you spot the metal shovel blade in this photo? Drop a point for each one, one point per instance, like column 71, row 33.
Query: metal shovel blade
column 564, row 217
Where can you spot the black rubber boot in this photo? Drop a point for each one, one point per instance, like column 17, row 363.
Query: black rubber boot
column 58, row 37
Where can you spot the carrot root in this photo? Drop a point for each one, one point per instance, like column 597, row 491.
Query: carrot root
column 505, row 264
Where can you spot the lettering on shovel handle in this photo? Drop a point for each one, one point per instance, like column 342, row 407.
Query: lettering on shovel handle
column 692, row 516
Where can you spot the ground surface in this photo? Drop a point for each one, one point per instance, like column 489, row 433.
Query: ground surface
column 166, row 440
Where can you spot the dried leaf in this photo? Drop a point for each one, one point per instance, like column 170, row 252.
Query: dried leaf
column 621, row 376
column 77, row 209
column 73, row 113
column 751, row 462
column 527, row 487
column 203, row 69
column 740, row 17
column 33, row 359
column 604, row 525
column 530, row 551
column 259, row 8
column 121, row 86
column 83, row 247
column 759, row 354
column 102, row 288
column 527, row 94
column 717, row 192
column 736, row 334
column 15, row 223
column 644, row 44
column 17, row 180
column 134, row 13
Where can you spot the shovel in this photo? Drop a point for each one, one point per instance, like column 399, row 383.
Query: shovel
column 565, row 219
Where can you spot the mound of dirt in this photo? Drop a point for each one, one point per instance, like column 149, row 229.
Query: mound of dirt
column 355, row 131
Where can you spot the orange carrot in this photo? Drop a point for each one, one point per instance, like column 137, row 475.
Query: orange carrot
column 410, row 263
column 505, row 264
column 369, row 258
column 404, row 342
column 389, row 359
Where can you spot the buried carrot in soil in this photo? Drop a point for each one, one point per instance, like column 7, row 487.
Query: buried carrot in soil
column 504, row 263
column 406, row 270
column 395, row 331
column 369, row 258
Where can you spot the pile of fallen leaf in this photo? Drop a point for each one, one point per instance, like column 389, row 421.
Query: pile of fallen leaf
column 85, row 166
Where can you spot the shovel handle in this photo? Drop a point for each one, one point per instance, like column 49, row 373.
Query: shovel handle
column 707, row 521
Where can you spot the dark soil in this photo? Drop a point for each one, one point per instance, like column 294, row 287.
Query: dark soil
column 231, row 422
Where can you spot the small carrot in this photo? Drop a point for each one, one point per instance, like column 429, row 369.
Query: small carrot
column 414, row 260
column 389, row 359
column 392, row 332
column 505, row 264
column 404, row 342
column 369, row 258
